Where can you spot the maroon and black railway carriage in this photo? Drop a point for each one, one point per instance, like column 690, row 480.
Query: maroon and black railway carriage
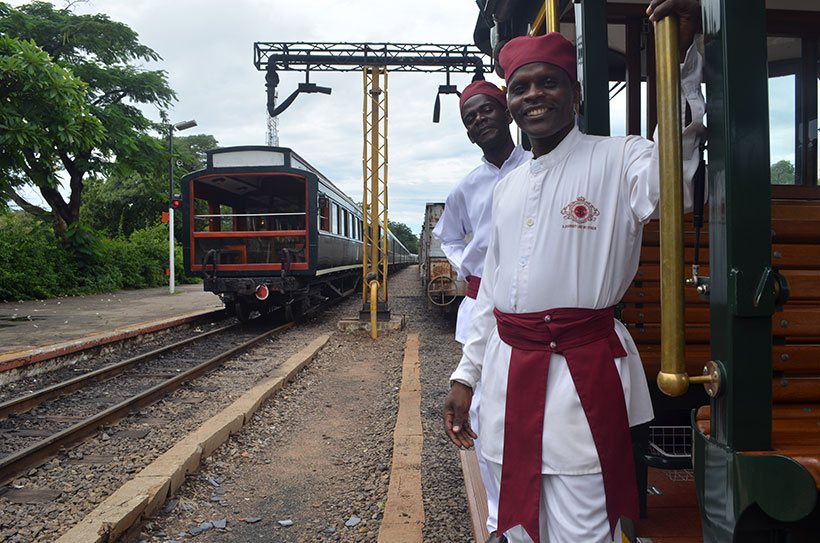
column 267, row 230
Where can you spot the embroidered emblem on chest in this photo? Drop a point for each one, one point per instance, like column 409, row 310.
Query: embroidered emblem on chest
column 579, row 214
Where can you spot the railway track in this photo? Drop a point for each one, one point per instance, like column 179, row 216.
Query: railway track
column 39, row 424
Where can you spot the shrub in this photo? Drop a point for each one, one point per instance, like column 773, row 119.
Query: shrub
column 34, row 264
column 31, row 259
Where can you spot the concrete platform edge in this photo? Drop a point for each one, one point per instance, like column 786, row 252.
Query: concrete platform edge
column 19, row 359
column 144, row 494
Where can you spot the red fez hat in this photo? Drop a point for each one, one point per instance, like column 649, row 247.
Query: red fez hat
column 481, row 87
column 552, row 48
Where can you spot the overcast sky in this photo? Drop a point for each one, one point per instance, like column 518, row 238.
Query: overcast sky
column 207, row 50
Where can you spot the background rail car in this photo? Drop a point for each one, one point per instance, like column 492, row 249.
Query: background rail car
column 440, row 280
column 754, row 447
column 266, row 230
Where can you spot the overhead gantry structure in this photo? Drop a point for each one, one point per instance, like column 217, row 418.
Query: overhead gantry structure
column 373, row 60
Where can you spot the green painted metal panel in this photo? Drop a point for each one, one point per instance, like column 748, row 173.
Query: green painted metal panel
column 740, row 220
column 593, row 73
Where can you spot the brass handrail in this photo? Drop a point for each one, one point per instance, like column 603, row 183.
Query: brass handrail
column 672, row 379
column 548, row 12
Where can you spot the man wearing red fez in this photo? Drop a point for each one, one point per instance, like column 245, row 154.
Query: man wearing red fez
column 467, row 211
column 562, row 381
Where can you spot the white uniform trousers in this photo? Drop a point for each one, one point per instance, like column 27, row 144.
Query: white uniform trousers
column 573, row 509
column 489, row 480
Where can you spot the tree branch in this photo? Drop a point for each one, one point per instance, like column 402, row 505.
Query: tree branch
column 30, row 208
column 119, row 93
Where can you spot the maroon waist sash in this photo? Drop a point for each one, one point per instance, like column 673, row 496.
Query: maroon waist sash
column 473, row 283
column 587, row 339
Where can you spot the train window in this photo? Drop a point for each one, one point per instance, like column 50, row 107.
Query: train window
column 346, row 223
column 324, row 214
column 783, row 66
column 339, row 217
column 781, row 129
column 334, row 217
column 793, row 106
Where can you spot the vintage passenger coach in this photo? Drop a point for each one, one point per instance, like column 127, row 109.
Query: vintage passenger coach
column 267, row 230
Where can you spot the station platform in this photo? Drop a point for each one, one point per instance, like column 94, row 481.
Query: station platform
column 36, row 330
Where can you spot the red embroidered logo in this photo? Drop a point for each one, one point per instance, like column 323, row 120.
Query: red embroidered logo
column 580, row 212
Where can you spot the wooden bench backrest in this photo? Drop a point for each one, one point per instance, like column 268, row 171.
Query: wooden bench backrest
column 795, row 329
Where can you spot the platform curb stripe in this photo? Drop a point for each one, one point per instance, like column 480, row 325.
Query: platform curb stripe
column 145, row 494
column 18, row 359
column 404, row 509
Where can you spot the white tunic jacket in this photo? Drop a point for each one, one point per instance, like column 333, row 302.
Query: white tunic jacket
column 566, row 232
column 467, row 211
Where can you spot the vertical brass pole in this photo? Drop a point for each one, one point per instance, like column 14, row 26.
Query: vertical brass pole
column 672, row 379
column 552, row 15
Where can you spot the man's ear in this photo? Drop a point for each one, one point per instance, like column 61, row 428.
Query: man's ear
column 508, row 116
column 470, row 138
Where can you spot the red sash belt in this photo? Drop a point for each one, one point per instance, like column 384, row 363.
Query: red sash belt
column 473, row 283
column 587, row 339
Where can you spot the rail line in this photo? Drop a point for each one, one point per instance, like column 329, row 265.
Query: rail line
column 34, row 454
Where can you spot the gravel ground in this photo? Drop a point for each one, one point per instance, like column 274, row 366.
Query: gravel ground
column 318, row 454
column 317, row 457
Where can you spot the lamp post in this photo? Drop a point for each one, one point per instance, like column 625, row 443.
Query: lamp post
column 171, row 127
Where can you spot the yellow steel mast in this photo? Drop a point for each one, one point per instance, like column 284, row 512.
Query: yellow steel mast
column 374, row 202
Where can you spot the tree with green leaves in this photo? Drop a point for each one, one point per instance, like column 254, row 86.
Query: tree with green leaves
column 122, row 203
column 109, row 134
column 782, row 173
column 405, row 235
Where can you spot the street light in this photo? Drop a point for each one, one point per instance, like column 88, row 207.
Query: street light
column 171, row 127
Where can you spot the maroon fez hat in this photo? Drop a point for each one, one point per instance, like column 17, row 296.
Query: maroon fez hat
column 481, row 87
column 552, row 48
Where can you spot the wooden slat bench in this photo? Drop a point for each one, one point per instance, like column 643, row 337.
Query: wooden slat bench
column 795, row 331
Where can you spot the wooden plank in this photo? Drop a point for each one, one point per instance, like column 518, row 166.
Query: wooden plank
column 798, row 256
column 793, row 322
column 476, row 495
column 797, row 390
column 791, row 359
column 804, row 287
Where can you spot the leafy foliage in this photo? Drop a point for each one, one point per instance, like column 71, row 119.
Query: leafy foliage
column 43, row 112
column 34, row 264
column 405, row 235
column 102, row 53
column 122, row 203
column 782, row 173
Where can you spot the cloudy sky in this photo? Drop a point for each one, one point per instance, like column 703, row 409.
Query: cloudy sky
column 207, row 51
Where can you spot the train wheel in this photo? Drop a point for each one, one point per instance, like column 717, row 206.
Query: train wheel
column 441, row 290
column 242, row 311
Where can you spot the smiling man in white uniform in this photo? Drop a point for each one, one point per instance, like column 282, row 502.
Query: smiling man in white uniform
column 467, row 212
column 562, row 381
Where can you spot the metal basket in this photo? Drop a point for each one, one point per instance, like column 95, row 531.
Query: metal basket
column 671, row 441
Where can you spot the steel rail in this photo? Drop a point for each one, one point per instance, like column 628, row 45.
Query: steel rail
column 16, row 463
column 58, row 390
